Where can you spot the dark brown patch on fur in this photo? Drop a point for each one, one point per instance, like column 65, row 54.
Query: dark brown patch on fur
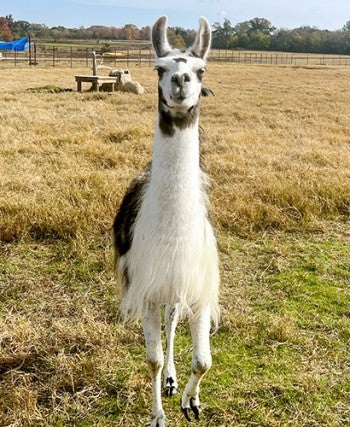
column 160, row 71
column 127, row 212
column 193, row 54
column 181, row 60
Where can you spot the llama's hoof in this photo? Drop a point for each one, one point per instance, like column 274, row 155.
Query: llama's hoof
column 170, row 387
column 158, row 420
column 158, row 424
column 194, row 408
column 170, row 391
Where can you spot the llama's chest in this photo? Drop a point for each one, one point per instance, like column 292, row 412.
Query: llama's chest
column 172, row 239
column 173, row 210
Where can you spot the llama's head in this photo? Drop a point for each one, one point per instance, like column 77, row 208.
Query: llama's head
column 180, row 72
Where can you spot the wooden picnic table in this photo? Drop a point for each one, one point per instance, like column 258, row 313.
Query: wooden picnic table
column 96, row 81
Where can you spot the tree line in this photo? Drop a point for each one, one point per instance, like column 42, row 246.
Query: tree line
column 255, row 34
column 260, row 34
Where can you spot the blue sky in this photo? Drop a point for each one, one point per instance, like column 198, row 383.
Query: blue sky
column 325, row 14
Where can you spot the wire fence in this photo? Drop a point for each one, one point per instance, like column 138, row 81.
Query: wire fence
column 80, row 57
column 278, row 58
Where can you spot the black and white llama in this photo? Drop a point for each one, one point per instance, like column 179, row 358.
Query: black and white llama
column 166, row 252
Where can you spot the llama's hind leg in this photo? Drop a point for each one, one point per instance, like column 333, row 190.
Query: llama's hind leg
column 151, row 322
column 171, row 319
column 201, row 362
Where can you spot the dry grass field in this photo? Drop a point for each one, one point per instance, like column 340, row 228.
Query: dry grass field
column 276, row 142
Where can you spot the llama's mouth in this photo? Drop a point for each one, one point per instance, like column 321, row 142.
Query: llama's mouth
column 178, row 105
column 181, row 102
column 178, row 99
column 176, row 102
column 179, row 94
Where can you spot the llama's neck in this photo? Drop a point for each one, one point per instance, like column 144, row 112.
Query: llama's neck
column 177, row 155
column 176, row 177
column 181, row 149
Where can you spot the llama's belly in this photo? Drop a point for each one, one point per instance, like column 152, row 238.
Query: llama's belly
column 172, row 261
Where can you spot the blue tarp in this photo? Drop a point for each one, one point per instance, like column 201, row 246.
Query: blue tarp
column 20, row 44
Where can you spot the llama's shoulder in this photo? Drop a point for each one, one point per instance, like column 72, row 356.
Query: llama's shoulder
column 128, row 210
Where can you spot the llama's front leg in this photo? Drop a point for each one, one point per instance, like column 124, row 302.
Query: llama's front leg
column 201, row 362
column 171, row 319
column 151, row 322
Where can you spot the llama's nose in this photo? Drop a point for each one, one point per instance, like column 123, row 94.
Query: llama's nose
column 181, row 78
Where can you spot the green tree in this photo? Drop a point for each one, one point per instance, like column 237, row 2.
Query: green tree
column 254, row 34
column 18, row 28
column 281, row 40
column 223, row 34
column 175, row 39
column 261, row 25
column 346, row 27
column 260, row 41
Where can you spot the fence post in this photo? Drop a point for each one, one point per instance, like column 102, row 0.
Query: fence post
column 30, row 50
column 35, row 62
column 94, row 65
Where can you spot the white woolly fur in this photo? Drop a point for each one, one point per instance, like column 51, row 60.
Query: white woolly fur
column 173, row 257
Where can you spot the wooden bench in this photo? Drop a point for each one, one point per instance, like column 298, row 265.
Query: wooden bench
column 96, row 81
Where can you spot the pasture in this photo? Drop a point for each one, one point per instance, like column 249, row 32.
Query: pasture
column 276, row 144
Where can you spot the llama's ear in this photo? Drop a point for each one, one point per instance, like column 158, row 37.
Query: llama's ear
column 202, row 43
column 160, row 42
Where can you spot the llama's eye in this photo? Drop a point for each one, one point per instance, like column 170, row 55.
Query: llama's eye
column 160, row 71
column 200, row 73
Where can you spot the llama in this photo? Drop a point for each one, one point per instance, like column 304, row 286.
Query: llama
column 166, row 252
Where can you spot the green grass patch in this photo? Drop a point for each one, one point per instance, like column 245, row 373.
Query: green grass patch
column 280, row 356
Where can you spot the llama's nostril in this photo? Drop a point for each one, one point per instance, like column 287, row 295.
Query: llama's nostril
column 180, row 79
column 187, row 77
